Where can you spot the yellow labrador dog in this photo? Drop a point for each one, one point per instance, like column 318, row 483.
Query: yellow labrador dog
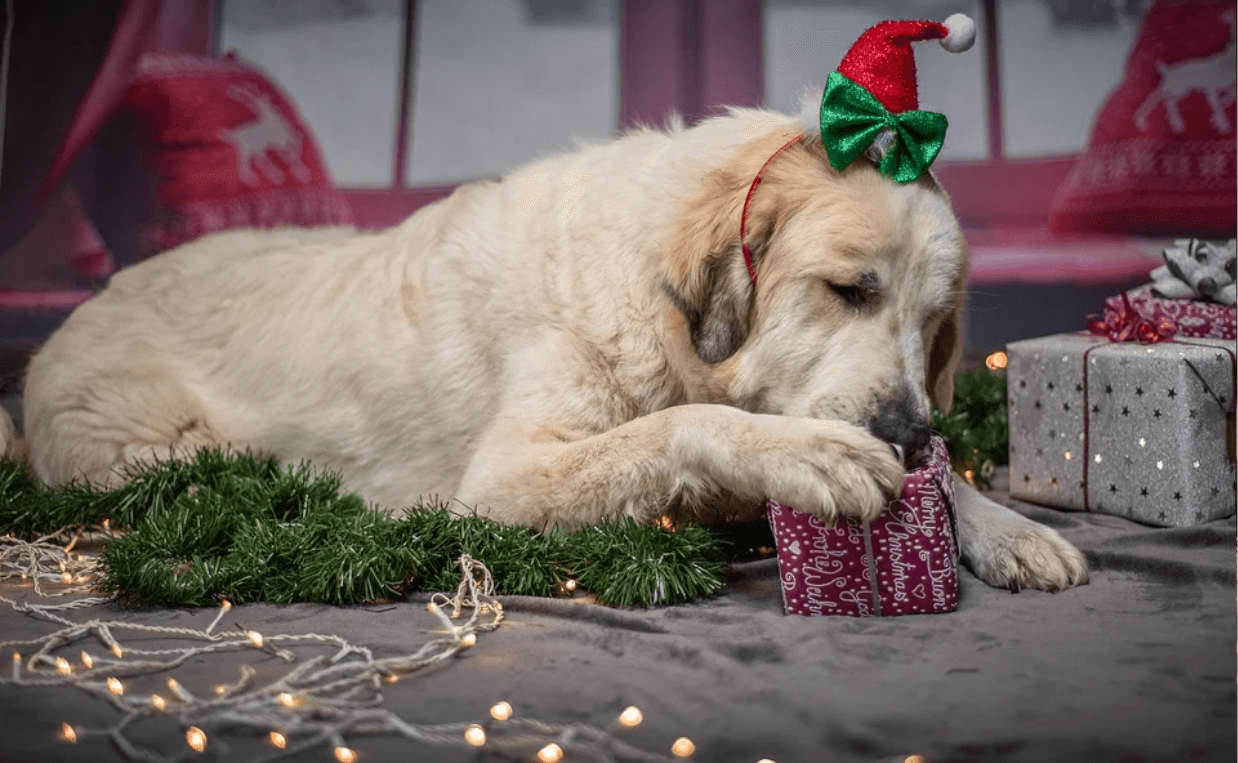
column 578, row 340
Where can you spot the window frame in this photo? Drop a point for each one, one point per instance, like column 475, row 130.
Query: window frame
column 681, row 56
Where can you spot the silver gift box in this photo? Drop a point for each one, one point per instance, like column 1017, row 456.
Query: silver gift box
column 1144, row 431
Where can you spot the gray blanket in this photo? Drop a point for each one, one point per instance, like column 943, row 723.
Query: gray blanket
column 1138, row 665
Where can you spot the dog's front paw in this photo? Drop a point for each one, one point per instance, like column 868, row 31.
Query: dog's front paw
column 1019, row 553
column 829, row 468
column 1033, row 557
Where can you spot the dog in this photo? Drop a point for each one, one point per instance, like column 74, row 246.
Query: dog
column 578, row 340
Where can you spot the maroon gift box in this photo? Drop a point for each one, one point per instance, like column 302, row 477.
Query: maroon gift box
column 903, row 563
column 1194, row 318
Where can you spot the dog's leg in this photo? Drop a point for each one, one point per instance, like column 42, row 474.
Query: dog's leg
column 99, row 426
column 1007, row 550
column 541, row 475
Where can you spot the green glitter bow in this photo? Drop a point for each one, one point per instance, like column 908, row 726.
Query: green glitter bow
column 852, row 118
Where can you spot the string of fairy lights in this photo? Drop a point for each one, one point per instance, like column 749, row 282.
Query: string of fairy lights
column 318, row 701
column 321, row 700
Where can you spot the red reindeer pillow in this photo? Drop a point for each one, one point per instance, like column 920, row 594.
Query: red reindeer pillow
column 1161, row 155
column 230, row 151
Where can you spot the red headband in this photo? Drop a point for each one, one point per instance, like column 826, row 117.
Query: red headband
column 743, row 220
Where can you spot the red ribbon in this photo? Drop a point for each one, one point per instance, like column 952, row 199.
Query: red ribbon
column 1129, row 324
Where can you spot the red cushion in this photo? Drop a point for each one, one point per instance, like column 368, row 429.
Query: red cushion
column 230, row 150
column 1161, row 155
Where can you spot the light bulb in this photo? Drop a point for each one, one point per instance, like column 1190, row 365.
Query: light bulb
column 631, row 717
column 255, row 637
column 68, row 734
column 158, row 702
column 288, row 700
column 220, row 690
column 63, row 667
column 475, row 735
column 570, row 585
column 469, row 640
column 996, row 361
column 551, row 753
column 196, row 738
column 683, row 747
column 116, row 650
column 115, row 686
column 225, row 605
column 501, row 711
column 87, row 660
column 345, row 754
column 277, row 740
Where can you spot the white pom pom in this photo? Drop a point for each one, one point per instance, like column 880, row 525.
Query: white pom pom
column 962, row 33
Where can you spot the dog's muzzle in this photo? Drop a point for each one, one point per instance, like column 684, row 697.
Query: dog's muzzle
column 899, row 424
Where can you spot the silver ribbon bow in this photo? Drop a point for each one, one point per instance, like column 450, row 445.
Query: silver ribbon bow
column 1196, row 269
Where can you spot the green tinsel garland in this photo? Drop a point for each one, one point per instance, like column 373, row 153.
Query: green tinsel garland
column 247, row 529
column 977, row 429
column 250, row 530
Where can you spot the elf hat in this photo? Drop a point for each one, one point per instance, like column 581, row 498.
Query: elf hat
column 874, row 92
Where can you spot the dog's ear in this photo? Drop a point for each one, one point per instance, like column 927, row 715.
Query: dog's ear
column 703, row 270
column 717, row 308
column 944, row 355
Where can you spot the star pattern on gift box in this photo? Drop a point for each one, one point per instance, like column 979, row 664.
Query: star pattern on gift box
column 1159, row 435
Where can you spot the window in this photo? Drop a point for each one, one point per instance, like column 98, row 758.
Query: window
column 409, row 97
column 501, row 81
column 489, row 83
column 339, row 61
column 1057, row 67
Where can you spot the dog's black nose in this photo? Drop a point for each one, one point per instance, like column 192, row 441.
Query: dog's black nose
column 898, row 425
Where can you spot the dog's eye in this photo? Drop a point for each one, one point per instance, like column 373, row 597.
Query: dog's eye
column 854, row 296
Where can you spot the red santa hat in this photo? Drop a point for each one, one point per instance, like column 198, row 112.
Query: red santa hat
column 882, row 62
column 872, row 97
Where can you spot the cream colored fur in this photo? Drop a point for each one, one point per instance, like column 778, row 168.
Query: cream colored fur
column 578, row 340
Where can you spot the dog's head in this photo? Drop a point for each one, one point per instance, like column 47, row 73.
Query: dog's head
column 856, row 312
